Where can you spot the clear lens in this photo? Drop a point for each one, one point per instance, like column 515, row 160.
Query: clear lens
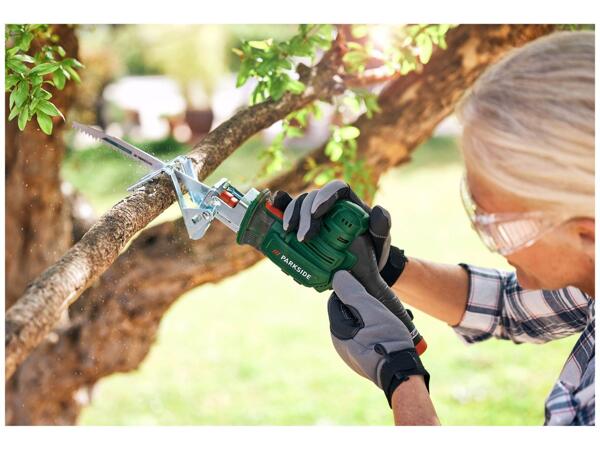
column 509, row 232
column 506, row 237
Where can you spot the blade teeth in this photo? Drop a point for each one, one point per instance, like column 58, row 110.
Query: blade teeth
column 92, row 132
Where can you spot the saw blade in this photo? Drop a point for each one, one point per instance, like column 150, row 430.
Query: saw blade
column 127, row 149
column 206, row 198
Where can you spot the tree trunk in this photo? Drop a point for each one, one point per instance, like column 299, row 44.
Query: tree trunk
column 126, row 305
column 38, row 227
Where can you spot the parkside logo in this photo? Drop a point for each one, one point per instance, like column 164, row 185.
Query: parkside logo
column 292, row 264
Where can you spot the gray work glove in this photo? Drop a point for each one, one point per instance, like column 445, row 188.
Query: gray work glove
column 303, row 215
column 369, row 338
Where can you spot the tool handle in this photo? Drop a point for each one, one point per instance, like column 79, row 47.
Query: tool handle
column 367, row 273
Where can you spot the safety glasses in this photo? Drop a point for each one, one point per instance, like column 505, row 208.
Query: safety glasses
column 505, row 233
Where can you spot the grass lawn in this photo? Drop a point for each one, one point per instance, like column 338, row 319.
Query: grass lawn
column 255, row 348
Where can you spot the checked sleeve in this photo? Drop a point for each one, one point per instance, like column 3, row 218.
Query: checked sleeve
column 498, row 307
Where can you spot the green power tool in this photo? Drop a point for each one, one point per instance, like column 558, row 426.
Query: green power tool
column 311, row 263
column 341, row 241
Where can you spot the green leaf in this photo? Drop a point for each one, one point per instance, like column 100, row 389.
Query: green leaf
column 24, row 58
column 61, row 51
column 294, row 132
column 11, row 99
column 26, row 41
column 21, row 92
column 12, row 51
column 295, row 86
column 355, row 46
column 36, row 80
column 16, row 65
column 44, row 68
column 348, row 132
column 324, row 177
column 425, row 47
column 74, row 74
column 48, row 108
column 244, row 73
column 353, row 103
column 356, row 59
column 359, row 31
column 443, row 28
column 22, row 121
column 13, row 113
column 59, row 79
column 407, row 66
column 72, row 62
column 10, row 81
column 241, row 79
column 371, row 104
column 317, row 111
column 334, row 150
column 277, row 88
column 33, row 105
column 261, row 45
column 442, row 43
column 45, row 122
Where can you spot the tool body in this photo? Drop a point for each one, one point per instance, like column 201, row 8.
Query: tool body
column 338, row 246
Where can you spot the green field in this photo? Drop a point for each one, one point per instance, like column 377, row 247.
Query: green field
column 255, row 348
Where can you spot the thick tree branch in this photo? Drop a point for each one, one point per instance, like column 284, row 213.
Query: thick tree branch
column 37, row 311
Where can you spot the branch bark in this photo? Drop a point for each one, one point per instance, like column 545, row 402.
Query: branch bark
column 126, row 305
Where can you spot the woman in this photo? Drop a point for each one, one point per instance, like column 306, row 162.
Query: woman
column 528, row 145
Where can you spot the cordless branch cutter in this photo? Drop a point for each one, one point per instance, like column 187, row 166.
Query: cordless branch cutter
column 338, row 246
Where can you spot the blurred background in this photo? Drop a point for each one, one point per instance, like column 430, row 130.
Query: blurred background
column 255, row 348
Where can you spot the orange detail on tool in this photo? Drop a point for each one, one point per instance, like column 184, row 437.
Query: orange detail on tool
column 228, row 199
column 274, row 210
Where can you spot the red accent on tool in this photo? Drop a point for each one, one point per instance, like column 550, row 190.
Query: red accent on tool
column 274, row 210
column 228, row 198
column 421, row 347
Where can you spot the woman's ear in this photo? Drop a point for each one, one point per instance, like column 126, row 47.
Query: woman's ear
column 586, row 230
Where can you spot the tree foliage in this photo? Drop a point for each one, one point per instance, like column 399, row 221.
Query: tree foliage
column 34, row 59
column 373, row 54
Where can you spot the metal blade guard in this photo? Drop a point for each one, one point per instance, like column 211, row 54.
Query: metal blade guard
column 204, row 203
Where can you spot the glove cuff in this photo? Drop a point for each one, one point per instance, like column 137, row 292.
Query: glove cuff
column 397, row 368
column 394, row 266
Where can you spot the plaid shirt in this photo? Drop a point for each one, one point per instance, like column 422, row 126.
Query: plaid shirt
column 498, row 307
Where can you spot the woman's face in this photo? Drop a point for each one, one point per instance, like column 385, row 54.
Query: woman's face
column 561, row 257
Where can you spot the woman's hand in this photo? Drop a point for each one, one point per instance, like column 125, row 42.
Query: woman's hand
column 378, row 346
column 302, row 215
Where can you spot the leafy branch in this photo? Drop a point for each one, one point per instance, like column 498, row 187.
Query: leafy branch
column 30, row 68
column 373, row 54
column 390, row 51
column 272, row 63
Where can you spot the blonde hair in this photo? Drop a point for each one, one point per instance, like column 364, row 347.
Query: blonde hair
column 529, row 123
